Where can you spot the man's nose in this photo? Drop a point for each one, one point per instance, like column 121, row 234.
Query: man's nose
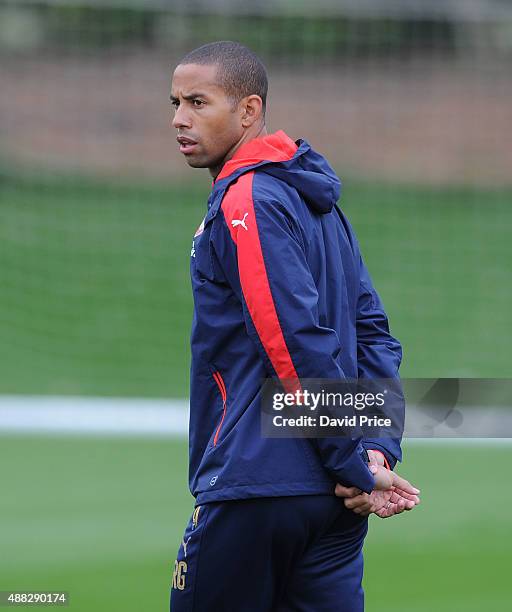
column 181, row 118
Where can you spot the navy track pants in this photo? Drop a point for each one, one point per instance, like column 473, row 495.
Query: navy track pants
column 272, row 554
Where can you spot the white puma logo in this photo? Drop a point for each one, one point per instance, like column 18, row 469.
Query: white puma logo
column 241, row 222
column 185, row 544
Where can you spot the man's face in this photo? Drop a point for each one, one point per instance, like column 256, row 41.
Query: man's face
column 207, row 123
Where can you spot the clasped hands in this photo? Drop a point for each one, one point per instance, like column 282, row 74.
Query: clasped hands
column 392, row 493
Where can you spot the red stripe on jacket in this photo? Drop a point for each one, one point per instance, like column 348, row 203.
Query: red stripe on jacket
column 238, row 209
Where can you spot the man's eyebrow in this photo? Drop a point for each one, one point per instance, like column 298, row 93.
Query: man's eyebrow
column 190, row 96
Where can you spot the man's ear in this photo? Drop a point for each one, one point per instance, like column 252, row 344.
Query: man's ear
column 252, row 110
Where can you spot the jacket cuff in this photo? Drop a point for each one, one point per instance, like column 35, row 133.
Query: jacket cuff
column 355, row 473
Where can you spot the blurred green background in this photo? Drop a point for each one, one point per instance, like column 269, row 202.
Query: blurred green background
column 410, row 103
column 103, row 519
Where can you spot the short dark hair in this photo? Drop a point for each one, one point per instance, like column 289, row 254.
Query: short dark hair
column 240, row 72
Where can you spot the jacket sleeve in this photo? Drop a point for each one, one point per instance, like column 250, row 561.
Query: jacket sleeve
column 379, row 354
column 280, row 304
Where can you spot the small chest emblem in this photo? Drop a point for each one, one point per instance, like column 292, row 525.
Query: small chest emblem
column 200, row 229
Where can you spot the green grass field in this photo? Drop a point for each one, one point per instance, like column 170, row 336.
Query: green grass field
column 96, row 301
column 102, row 519
column 96, row 297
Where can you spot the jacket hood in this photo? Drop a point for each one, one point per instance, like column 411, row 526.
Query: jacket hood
column 295, row 163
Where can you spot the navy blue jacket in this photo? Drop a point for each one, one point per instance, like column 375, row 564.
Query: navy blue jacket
column 280, row 290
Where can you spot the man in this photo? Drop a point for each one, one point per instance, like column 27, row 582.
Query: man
column 280, row 290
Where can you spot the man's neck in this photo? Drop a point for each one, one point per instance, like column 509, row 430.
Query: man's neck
column 246, row 137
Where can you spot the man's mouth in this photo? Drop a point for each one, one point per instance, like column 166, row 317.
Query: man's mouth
column 187, row 145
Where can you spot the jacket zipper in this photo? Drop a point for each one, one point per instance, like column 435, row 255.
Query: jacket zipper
column 222, row 388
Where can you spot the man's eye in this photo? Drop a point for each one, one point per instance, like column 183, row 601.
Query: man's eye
column 175, row 103
column 197, row 103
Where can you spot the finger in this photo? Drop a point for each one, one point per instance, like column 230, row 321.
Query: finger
column 406, row 495
column 395, row 508
column 341, row 491
column 387, row 512
column 356, row 502
column 408, row 505
column 383, row 513
column 364, row 509
column 409, row 501
column 391, row 508
column 404, row 485
column 395, row 497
